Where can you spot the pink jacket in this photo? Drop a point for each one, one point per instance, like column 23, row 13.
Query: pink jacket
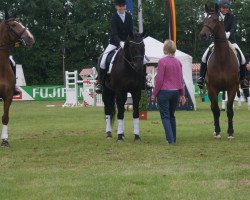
column 169, row 75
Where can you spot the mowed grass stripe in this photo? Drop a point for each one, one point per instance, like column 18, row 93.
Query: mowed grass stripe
column 62, row 153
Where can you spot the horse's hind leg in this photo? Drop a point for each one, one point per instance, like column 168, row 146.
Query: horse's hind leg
column 230, row 113
column 136, row 98
column 213, row 95
column 109, row 109
column 239, row 98
column 247, row 96
column 120, row 102
column 5, row 121
column 223, row 106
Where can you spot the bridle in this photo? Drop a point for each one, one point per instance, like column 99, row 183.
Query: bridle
column 18, row 36
column 216, row 39
column 133, row 57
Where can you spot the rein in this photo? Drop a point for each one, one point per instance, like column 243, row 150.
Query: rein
column 17, row 35
column 137, row 56
column 216, row 39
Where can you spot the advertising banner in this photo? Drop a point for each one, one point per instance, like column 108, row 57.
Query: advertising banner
column 39, row 93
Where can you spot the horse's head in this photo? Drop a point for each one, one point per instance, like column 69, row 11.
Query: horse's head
column 16, row 31
column 134, row 49
column 211, row 21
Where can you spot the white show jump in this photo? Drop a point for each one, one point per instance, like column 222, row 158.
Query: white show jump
column 71, row 80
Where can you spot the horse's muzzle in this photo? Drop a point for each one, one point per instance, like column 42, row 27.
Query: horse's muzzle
column 204, row 36
column 27, row 40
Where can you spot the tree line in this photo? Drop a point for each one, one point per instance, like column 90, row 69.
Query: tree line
column 80, row 28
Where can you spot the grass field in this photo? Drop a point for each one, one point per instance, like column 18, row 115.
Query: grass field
column 62, row 154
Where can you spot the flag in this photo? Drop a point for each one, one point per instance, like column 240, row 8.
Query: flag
column 172, row 20
column 129, row 6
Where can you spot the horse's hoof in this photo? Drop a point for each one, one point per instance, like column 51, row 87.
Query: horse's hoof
column 230, row 137
column 120, row 138
column 108, row 135
column 5, row 143
column 120, row 141
column 217, row 136
column 137, row 139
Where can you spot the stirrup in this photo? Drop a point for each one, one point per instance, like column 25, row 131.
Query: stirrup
column 99, row 88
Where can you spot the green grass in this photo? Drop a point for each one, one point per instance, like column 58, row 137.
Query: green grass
column 62, row 153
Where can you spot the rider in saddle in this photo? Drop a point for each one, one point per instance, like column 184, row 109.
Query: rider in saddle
column 121, row 27
column 230, row 29
column 13, row 66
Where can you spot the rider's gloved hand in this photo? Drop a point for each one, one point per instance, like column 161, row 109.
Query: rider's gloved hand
column 122, row 44
column 228, row 34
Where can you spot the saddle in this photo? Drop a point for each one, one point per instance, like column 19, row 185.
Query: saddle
column 236, row 52
column 109, row 58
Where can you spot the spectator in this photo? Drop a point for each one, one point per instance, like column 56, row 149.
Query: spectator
column 169, row 88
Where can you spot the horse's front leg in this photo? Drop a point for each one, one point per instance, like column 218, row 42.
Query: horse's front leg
column 213, row 96
column 136, row 96
column 120, row 102
column 5, row 121
column 108, row 98
column 230, row 113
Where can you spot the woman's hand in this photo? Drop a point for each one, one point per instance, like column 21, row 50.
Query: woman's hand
column 153, row 99
column 182, row 100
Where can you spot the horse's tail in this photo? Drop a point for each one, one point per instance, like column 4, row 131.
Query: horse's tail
column 98, row 66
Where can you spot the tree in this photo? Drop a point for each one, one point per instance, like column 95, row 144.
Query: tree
column 85, row 31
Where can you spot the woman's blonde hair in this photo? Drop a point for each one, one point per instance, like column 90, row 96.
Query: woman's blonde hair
column 169, row 47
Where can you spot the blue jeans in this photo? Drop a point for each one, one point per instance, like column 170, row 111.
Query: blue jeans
column 167, row 101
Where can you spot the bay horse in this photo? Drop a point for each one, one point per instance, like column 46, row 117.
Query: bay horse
column 12, row 32
column 223, row 68
column 126, row 76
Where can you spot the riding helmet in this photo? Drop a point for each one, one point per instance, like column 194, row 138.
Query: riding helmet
column 120, row 2
column 224, row 3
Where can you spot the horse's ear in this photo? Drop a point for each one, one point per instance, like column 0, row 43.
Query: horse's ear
column 131, row 35
column 216, row 8
column 206, row 8
column 143, row 34
column 9, row 15
column 6, row 13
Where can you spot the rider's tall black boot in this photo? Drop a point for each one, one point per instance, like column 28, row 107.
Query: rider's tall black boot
column 16, row 91
column 101, row 81
column 243, row 81
column 203, row 70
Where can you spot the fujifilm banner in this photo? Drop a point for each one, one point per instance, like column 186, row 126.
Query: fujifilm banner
column 44, row 93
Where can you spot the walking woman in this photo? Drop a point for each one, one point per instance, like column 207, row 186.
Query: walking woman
column 169, row 89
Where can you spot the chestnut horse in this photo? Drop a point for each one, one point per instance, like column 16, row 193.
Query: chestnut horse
column 12, row 32
column 223, row 68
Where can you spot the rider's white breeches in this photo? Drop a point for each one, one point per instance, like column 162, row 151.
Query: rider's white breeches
column 204, row 57
column 243, row 59
column 12, row 61
column 109, row 48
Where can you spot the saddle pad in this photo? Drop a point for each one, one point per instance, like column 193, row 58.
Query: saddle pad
column 111, row 61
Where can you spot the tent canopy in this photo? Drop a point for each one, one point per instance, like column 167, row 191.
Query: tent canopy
column 154, row 52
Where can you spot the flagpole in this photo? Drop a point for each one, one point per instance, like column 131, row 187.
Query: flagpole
column 140, row 20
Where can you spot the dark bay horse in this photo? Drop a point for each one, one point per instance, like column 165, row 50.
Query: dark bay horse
column 12, row 32
column 223, row 69
column 126, row 76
